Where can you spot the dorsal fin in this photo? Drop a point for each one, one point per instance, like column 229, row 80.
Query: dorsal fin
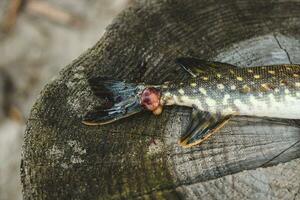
column 195, row 66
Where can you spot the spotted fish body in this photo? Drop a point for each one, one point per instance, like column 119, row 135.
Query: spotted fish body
column 216, row 92
column 267, row 91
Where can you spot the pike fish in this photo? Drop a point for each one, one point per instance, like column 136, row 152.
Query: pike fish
column 216, row 91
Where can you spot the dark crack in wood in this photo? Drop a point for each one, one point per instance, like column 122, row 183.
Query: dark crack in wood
column 286, row 52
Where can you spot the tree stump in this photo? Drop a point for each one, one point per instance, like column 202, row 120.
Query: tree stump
column 138, row 157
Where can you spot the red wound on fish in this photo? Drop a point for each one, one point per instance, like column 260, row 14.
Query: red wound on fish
column 150, row 98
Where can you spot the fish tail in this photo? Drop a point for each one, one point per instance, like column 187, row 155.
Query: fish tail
column 121, row 100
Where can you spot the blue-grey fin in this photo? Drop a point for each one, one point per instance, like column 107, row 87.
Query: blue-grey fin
column 201, row 127
column 195, row 66
column 120, row 100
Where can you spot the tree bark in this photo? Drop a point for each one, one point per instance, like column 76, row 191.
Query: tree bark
column 138, row 157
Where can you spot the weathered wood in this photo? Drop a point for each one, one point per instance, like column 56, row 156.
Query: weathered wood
column 64, row 159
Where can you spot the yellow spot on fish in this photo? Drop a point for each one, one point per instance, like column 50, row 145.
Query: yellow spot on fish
column 219, row 75
column 250, row 70
column 220, row 86
column 256, row 76
column 225, row 100
column 193, row 84
column 231, row 71
column 246, row 89
column 181, row 91
column 165, row 86
column 266, row 87
column 202, row 90
column 283, row 82
column 271, row 72
column 210, row 102
column 237, row 102
column 184, row 98
column 239, row 78
column 167, row 94
column 233, row 87
column 228, row 110
column 286, row 91
column 204, row 78
column 296, row 75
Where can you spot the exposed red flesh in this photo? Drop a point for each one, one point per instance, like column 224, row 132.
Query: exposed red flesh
column 150, row 98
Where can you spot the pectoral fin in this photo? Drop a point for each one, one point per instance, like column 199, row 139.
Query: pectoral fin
column 196, row 67
column 202, row 126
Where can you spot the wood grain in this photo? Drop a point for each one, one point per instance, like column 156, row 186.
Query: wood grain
column 138, row 157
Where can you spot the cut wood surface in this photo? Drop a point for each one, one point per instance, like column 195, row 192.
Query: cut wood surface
column 138, row 157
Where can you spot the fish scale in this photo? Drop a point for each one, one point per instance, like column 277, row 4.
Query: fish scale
column 216, row 92
column 284, row 81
